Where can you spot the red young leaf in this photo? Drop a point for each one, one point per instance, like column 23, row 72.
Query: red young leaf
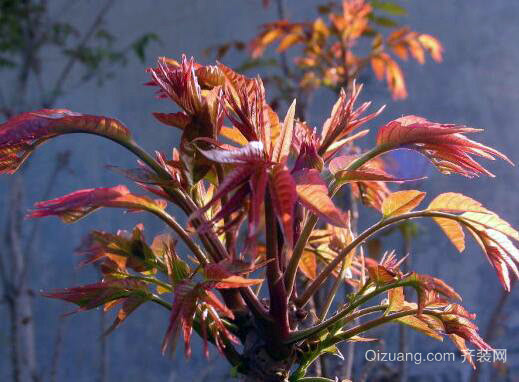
column 284, row 197
column 284, row 141
column 93, row 295
column 344, row 118
column 20, row 135
column 178, row 82
column 424, row 284
column 78, row 204
column 188, row 298
column 444, row 144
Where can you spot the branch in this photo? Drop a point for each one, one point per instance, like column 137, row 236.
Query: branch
column 306, row 333
column 327, row 271
column 65, row 72
column 291, row 272
column 170, row 221
column 277, row 293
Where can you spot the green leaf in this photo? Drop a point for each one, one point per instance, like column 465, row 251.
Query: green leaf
column 139, row 46
column 389, row 7
column 384, row 21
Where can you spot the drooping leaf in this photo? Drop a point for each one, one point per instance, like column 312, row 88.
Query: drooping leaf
column 20, row 135
column 494, row 235
column 417, row 324
column 400, row 202
column 501, row 252
column 313, row 194
column 454, row 231
column 129, row 305
column 190, row 298
column 432, row 45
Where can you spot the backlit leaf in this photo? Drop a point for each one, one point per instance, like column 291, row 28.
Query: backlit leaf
column 308, row 265
column 233, row 134
column 444, row 144
column 313, row 194
column 453, row 230
column 284, row 141
column 400, row 202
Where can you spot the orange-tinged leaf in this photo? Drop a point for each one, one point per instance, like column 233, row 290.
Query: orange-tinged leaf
column 180, row 119
column 454, row 231
column 379, row 67
column 313, row 194
column 288, row 41
column 233, row 134
column 432, row 45
column 491, row 221
column 130, row 304
column 308, row 265
column 417, row 324
column 400, row 202
column 462, row 347
column 395, row 80
column 396, row 299
column 380, row 274
column 236, row 282
column 400, row 50
column 454, row 202
column 220, row 275
column 284, row 141
column 416, row 49
column 271, row 36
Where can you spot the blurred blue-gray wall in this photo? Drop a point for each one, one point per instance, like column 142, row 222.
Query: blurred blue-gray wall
column 477, row 84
